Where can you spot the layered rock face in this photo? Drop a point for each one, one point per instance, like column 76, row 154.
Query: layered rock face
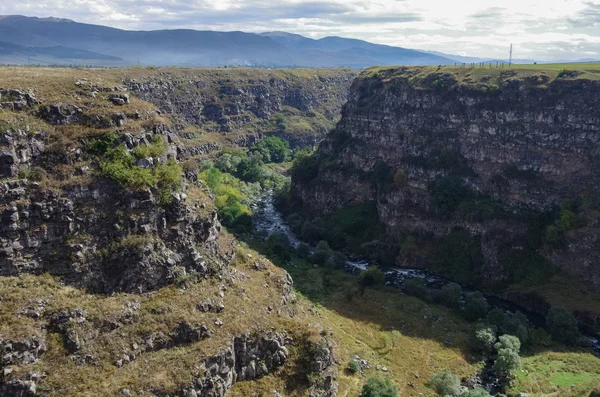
column 246, row 105
column 438, row 150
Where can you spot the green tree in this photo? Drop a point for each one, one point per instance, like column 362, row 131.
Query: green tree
column 278, row 244
column 484, row 339
column 379, row 387
column 509, row 342
column 507, row 361
column 416, row 287
column 373, row 276
column 303, row 250
column 445, row 383
column 563, row 326
column 450, row 295
column 476, row 306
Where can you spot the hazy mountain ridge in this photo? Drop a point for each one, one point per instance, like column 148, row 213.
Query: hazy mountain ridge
column 206, row 48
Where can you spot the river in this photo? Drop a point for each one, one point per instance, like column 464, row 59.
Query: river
column 267, row 220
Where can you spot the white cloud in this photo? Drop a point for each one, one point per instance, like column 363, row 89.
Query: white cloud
column 542, row 29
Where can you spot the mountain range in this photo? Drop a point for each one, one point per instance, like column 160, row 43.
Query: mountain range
column 62, row 41
column 53, row 40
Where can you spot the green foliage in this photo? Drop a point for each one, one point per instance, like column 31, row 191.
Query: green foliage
column 567, row 220
column 101, row 146
column 416, row 287
column 448, row 193
column 445, row 383
column 379, row 387
column 272, row 149
column 232, row 198
column 278, row 244
column 450, row 295
column 306, row 168
column 303, row 250
column 539, row 337
column 507, row 361
column 373, row 276
column 509, row 342
column 154, row 149
column 120, row 168
column 485, row 337
column 353, row 366
column 476, row 306
column 322, row 253
column 479, row 392
column 563, row 326
column 458, row 255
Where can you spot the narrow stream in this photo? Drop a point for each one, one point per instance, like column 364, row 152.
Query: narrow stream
column 267, row 220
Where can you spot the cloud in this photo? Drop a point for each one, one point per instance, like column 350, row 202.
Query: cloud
column 482, row 28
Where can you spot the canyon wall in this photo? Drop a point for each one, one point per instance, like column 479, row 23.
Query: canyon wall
column 492, row 151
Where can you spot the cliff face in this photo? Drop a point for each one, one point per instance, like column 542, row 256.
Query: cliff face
column 484, row 150
column 243, row 105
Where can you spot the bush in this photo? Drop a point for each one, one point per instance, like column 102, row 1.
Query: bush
column 484, row 339
column 278, row 244
column 353, row 366
column 379, row 387
column 450, row 295
column 272, row 149
column 448, row 193
column 416, row 287
column 476, row 306
column 371, row 277
column 303, row 250
column 509, row 342
column 563, row 326
column 154, row 149
column 498, row 318
column 445, row 383
column 479, row 392
column 506, row 362
column 539, row 337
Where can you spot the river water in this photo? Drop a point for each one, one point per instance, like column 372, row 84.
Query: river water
column 267, row 220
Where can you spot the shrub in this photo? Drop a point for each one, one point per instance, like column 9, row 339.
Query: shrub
column 445, row 383
column 476, row 306
column 371, row 277
column 154, row 149
column 416, row 287
column 539, row 337
column 448, row 193
column 479, row 392
column 353, row 366
column 509, row 342
column 563, row 326
column 484, row 339
column 498, row 318
column 278, row 244
column 272, row 149
column 379, row 387
column 303, row 250
column 506, row 362
column 450, row 295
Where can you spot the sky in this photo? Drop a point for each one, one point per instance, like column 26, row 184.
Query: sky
column 538, row 29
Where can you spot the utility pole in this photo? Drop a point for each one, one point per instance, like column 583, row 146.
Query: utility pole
column 510, row 56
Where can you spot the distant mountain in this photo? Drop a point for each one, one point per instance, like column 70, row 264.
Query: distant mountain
column 58, row 52
column 357, row 53
column 204, row 48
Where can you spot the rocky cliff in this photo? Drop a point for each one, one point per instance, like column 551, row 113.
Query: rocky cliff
column 113, row 262
column 490, row 151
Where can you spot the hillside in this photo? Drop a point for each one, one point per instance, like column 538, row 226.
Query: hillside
column 186, row 47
